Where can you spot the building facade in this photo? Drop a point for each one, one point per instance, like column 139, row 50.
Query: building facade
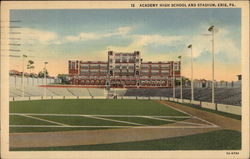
column 124, row 70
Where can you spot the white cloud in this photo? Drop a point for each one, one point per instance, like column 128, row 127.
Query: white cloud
column 84, row 36
column 223, row 43
column 32, row 36
column 141, row 41
column 155, row 39
column 123, row 30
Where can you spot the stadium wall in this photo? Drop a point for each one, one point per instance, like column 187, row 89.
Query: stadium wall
column 208, row 105
column 229, row 109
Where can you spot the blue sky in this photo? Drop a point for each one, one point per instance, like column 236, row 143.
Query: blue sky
column 160, row 34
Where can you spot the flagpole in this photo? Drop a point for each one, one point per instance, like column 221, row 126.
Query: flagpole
column 192, row 84
column 180, row 76
column 23, row 76
column 211, row 29
column 23, row 56
column 173, row 81
column 45, row 76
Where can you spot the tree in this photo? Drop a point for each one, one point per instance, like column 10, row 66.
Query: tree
column 63, row 78
column 186, row 81
column 41, row 74
column 30, row 65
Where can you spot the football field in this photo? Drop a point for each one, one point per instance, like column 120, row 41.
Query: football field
column 89, row 114
column 112, row 124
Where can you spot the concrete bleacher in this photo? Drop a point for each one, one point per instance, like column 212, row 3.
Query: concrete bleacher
column 16, row 92
column 29, row 91
column 79, row 91
column 231, row 96
column 38, row 91
column 121, row 92
column 222, row 95
column 96, row 92
column 59, row 91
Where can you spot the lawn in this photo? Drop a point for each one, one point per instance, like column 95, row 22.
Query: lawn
column 87, row 107
column 93, row 106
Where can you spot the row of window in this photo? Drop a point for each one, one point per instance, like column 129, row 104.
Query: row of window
column 124, row 67
column 155, row 71
column 155, row 65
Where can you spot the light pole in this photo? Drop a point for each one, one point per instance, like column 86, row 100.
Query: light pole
column 180, row 77
column 211, row 29
column 45, row 76
column 23, row 56
column 192, row 84
column 173, row 80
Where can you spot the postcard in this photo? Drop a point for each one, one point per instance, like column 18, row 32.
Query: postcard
column 125, row 79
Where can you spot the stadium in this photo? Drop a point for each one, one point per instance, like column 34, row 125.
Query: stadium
column 47, row 115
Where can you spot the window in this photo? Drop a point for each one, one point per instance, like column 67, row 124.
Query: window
column 154, row 71
column 164, row 71
column 84, row 71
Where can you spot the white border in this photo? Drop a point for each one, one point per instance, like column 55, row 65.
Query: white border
column 244, row 153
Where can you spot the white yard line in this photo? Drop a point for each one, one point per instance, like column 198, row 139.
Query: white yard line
column 175, row 121
column 35, row 126
column 72, row 126
column 119, row 121
column 54, row 122
column 97, row 115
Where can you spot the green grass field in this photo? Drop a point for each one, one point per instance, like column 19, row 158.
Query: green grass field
column 89, row 114
column 216, row 140
column 41, row 111
column 96, row 106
